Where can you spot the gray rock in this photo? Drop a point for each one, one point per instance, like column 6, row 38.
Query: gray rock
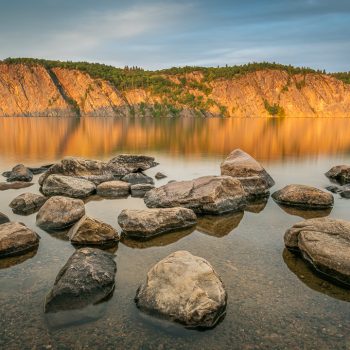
column 67, row 186
column 345, row 193
column 334, row 188
column 3, row 218
column 14, row 185
column 340, row 173
column 137, row 178
column 151, row 222
column 19, row 173
column 127, row 163
column 27, row 203
column 305, row 197
column 40, row 170
column 139, row 190
column 160, row 176
column 89, row 231
column 113, row 189
column 254, row 178
column 205, row 195
column 184, row 288
column 87, row 278
column 59, row 213
column 325, row 244
column 16, row 239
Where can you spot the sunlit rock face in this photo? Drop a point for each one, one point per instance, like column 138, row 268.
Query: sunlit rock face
column 184, row 288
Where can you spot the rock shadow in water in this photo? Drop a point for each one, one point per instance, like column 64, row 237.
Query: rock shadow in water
column 306, row 213
column 257, row 205
column 16, row 260
column 311, row 278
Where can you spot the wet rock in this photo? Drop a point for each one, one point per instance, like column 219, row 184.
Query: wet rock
column 14, row 185
column 205, row 195
column 87, row 278
column 139, row 190
column 340, row 173
column 184, row 288
column 138, row 178
column 59, row 213
column 344, row 191
column 89, row 231
column 325, row 244
column 303, row 197
column 67, row 186
column 254, row 178
column 14, row 260
column 3, row 218
column 160, row 176
column 40, row 170
column 334, row 188
column 19, row 173
column 16, row 239
column 127, row 163
column 113, row 189
column 27, row 203
column 151, row 222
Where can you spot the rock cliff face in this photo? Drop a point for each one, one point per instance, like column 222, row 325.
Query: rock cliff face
column 38, row 91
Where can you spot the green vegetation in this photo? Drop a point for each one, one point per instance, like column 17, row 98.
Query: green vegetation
column 275, row 109
column 344, row 76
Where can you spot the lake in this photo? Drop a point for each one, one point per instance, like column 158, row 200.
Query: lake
column 274, row 299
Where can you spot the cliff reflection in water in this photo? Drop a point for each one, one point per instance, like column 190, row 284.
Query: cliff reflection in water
column 49, row 138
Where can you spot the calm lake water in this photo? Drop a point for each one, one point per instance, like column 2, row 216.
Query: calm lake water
column 274, row 299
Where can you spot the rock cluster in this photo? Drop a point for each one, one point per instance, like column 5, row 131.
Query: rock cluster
column 19, row 173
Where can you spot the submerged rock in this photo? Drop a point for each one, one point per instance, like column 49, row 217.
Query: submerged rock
column 344, row 191
column 324, row 243
column 128, row 163
column 16, row 239
column 40, row 170
column 340, row 173
column 59, row 213
column 14, row 185
column 3, row 218
column 87, row 278
column 27, row 203
column 19, row 173
column 184, row 288
column 139, row 190
column 254, row 178
column 138, row 178
column 67, row 186
column 303, row 197
column 113, row 189
column 208, row 194
column 151, row 222
column 91, row 231
column 160, row 176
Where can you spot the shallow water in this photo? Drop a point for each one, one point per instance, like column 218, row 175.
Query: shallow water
column 274, row 299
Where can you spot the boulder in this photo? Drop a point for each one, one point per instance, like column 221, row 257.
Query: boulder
column 160, row 176
column 254, row 178
column 113, row 189
column 19, row 173
column 27, row 203
column 340, row 173
column 325, row 244
column 91, row 231
column 205, row 195
column 87, row 278
column 14, row 185
column 67, row 186
column 127, row 163
column 138, row 178
column 305, row 197
column 151, row 222
column 3, row 218
column 139, row 190
column 184, row 288
column 59, row 213
column 16, row 239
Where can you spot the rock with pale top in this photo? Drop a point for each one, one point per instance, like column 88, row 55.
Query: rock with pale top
column 340, row 173
column 27, row 203
column 19, row 173
column 139, row 190
column 113, row 189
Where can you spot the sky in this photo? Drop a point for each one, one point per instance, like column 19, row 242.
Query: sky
column 159, row 34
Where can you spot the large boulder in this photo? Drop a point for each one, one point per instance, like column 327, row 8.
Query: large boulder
column 3, row 218
column 151, row 222
column 128, row 163
column 305, row 197
column 16, row 239
column 14, row 185
column 254, row 178
column 137, row 178
column 91, row 231
column 324, row 243
column 27, row 203
column 184, row 288
column 208, row 194
column 113, row 189
column 19, row 173
column 67, row 186
column 59, row 213
column 139, row 190
column 340, row 173
column 87, row 278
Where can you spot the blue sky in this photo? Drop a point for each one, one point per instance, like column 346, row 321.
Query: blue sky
column 159, row 34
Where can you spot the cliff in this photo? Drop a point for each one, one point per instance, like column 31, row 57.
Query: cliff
column 39, row 90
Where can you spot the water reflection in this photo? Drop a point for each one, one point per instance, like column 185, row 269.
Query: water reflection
column 190, row 137
column 257, row 206
column 306, row 274
column 305, row 213
column 18, row 259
